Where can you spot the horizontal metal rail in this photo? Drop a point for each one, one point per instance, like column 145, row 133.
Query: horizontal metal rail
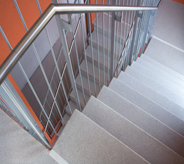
column 39, row 25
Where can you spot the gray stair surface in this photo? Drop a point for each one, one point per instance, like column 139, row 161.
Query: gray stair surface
column 85, row 85
column 155, row 85
column 108, row 25
column 160, row 72
column 148, row 106
column 101, row 58
column 143, row 120
column 73, row 106
column 164, row 68
column 156, row 77
column 84, row 142
column 81, row 98
column 152, row 95
column 90, row 72
column 131, row 135
column 107, row 43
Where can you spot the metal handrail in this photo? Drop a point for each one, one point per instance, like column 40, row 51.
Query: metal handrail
column 39, row 25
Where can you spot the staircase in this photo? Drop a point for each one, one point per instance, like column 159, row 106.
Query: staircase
column 137, row 118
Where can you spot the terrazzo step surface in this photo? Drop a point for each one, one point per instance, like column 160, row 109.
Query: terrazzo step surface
column 146, row 80
column 96, row 72
column 86, row 86
column 160, row 72
column 108, row 25
column 164, row 68
column 83, row 141
column 148, row 106
column 156, row 77
column 152, row 95
column 101, row 58
column 97, row 41
column 81, row 98
column 129, row 134
column 143, row 120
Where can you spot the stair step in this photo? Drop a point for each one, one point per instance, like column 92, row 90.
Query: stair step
column 160, row 72
column 101, row 58
column 155, row 77
column 152, row 95
column 81, row 99
column 83, row 141
column 128, row 133
column 73, row 106
column 148, row 106
column 107, row 43
column 85, row 85
column 90, row 72
column 143, row 120
column 164, row 68
column 108, row 26
column 155, row 85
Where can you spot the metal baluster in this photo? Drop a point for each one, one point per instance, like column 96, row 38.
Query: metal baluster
column 85, row 57
column 34, row 49
column 68, row 59
column 97, row 36
column 108, row 45
column 134, row 35
column 10, row 47
column 113, row 27
column 34, row 92
column 103, row 46
column 76, row 50
column 94, row 80
column 55, row 61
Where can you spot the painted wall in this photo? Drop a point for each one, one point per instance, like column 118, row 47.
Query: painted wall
column 179, row 1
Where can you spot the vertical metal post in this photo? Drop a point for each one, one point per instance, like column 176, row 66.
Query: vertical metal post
column 68, row 61
column 112, row 42
column 145, row 31
column 15, row 102
column 134, row 35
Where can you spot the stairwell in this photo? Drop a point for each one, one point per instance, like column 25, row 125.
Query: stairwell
column 138, row 117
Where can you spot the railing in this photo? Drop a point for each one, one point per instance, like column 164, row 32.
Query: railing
column 46, row 89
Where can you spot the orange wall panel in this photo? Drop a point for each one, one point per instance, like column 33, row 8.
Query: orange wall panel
column 12, row 24
column 179, row 1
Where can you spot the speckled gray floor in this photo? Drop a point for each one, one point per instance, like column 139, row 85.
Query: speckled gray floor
column 19, row 147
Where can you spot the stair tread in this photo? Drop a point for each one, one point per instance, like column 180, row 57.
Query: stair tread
column 107, row 43
column 148, row 106
column 106, row 23
column 90, row 71
column 160, row 72
column 142, row 119
column 83, row 141
column 101, row 58
column 163, row 67
column 73, row 106
column 155, row 77
column 152, row 95
column 146, row 80
column 85, row 85
column 131, row 135
column 81, row 99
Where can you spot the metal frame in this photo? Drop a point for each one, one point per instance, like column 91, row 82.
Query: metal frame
column 53, row 9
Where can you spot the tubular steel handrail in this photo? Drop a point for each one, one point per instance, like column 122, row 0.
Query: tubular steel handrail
column 55, row 9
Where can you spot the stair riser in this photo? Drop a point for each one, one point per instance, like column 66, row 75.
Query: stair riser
column 100, row 64
column 106, row 51
column 100, row 30
column 92, row 79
